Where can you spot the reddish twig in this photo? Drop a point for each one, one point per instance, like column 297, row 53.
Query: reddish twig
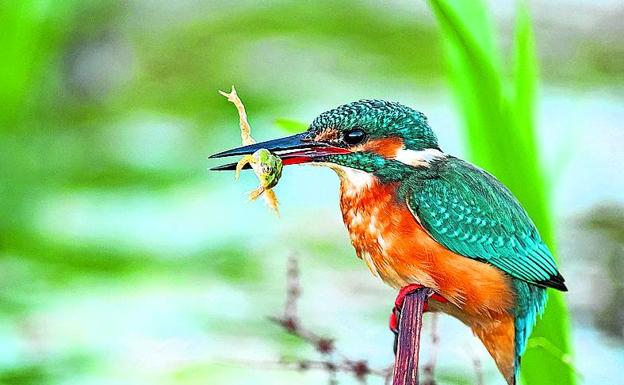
column 303, row 365
column 332, row 360
column 389, row 373
column 290, row 319
column 476, row 362
column 293, row 288
column 410, row 325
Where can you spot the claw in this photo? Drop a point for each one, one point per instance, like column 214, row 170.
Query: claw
column 398, row 302
column 400, row 299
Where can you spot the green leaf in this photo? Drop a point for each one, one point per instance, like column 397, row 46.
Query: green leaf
column 500, row 137
column 525, row 75
column 554, row 327
column 291, row 125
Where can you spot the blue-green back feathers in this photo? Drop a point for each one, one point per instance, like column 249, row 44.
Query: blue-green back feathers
column 471, row 213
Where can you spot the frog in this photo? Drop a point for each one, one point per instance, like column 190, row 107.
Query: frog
column 266, row 165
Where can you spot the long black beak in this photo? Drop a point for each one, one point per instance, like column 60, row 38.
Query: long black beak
column 292, row 149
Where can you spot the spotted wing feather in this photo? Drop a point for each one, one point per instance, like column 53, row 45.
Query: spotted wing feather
column 471, row 213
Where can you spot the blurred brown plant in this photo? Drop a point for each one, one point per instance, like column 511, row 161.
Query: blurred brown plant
column 332, row 360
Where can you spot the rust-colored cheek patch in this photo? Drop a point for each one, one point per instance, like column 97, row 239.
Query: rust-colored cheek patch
column 386, row 147
column 327, row 134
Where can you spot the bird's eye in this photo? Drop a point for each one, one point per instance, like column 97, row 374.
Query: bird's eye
column 354, row 136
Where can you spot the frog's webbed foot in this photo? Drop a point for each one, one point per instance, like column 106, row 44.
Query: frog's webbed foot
column 247, row 159
column 256, row 193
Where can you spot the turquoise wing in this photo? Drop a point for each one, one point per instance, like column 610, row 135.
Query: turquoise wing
column 471, row 213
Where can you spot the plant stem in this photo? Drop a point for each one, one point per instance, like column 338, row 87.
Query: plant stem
column 410, row 325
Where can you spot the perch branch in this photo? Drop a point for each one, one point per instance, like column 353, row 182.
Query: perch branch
column 410, row 325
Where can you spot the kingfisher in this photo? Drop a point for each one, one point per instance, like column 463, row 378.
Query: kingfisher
column 419, row 217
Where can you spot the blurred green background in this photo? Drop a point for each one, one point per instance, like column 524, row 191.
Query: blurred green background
column 124, row 261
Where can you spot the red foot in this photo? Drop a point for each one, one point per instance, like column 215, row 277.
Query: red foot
column 398, row 304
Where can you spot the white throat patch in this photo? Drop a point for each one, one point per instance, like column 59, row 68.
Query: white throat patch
column 419, row 158
column 353, row 180
column 358, row 179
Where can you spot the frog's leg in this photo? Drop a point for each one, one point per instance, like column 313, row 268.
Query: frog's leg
column 256, row 193
column 241, row 163
column 271, row 200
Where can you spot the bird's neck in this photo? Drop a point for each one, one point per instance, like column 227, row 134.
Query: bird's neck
column 386, row 163
column 355, row 183
column 379, row 178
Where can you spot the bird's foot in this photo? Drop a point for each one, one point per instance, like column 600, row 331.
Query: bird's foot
column 398, row 304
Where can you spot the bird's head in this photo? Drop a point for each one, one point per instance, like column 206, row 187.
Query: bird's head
column 372, row 136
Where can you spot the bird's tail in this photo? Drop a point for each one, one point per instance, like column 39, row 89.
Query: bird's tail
column 530, row 302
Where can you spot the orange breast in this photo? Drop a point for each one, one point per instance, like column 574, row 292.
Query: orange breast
column 398, row 249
